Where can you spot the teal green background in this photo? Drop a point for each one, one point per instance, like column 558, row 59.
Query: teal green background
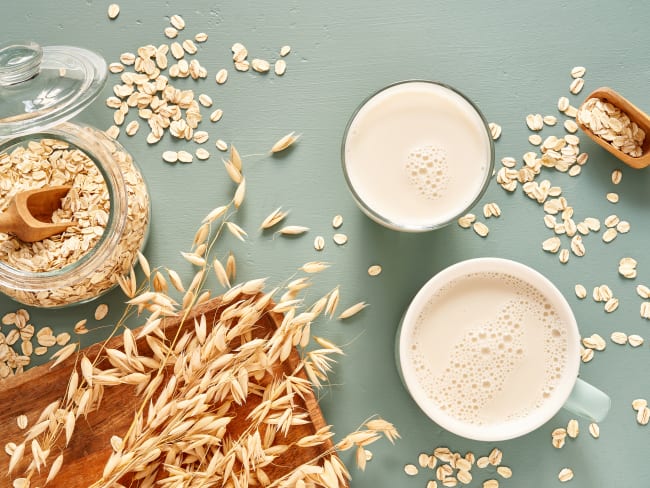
column 511, row 58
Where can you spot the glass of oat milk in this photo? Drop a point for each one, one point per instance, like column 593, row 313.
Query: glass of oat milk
column 417, row 155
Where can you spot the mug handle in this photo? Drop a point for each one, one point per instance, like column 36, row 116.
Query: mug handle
column 588, row 401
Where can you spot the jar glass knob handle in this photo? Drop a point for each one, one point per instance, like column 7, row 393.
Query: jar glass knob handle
column 19, row 62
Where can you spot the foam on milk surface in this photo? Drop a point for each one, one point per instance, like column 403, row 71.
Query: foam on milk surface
column 488, row 348
column 428, row 171
column 417, row 154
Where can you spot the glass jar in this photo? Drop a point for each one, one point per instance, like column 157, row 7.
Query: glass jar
column 109, row 202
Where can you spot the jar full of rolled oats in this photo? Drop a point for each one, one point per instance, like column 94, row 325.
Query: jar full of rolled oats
column 108, row 205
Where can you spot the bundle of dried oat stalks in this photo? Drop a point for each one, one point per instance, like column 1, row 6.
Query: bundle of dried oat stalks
column 223, row 398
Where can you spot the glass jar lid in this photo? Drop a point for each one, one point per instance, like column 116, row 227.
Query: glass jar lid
column 43, row 86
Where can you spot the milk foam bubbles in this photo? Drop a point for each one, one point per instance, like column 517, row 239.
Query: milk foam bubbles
column 488, row 348
column 417, row 155
column 428, row 171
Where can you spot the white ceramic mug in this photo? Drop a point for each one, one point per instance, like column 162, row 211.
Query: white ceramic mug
column 470, row 340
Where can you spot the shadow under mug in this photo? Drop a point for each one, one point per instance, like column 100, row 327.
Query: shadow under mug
column 570, row 392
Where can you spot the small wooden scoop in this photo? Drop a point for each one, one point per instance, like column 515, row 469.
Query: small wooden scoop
column 29, row 216
column 635, row 114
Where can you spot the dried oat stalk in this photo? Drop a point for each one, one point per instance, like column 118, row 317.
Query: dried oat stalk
column 192, row 383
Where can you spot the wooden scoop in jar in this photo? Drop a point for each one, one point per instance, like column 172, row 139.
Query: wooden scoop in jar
column 635, row 114
column 29, row 216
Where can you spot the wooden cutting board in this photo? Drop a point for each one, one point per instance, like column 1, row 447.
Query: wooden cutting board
column 30, row 392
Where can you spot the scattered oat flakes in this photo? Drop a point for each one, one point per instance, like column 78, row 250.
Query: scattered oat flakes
column 578, row 72
column 639, row 403
column 535, row 139
column 586, row 355
column 222, row 76
column 611, row 305
column 113, row 11
column 337, row 221
column 205, row 100
column 201, row 137
column 576, row 85
column 595, row 341
column 550, row 120
column 411, row 469
column 22, row 422
column 609, row 235
column 612, row 197
column 563, row 104
column 423, row 460
column 481, row 229
column 619, row 338
column 177, row 21
column 565, row 474
column 643, row 291
column 216, row 115
column 627, row 268
column 617, row 176
column 374, row 270
column 340, row 239
column 280, row 67
column 563, row 256
column 558, row 437
column 467, row 220
column 581, row 291
column 552, row 244
column 635, row 340
column 319, row 243
column 202, row 154
column 495, row 457
column 221, row 145
column 482, row 462
column 101, row 311
column 577, row 246
column 643, row 416
column 62, row 339
column 594, row 430
column 495, row 130
column 491, row 484
column 623, row 227
column 185, row 157
column 116, row 68
column 170, row 156
column 201, row 37
column 509, row 162
column 491, row 209
column 645, row 310
column 504, row 472
column 260, row 65
column 535, row 122
column 573, row 428
column 170, row 32
column 570, row 126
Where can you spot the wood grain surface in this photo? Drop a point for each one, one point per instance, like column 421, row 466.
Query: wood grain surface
column 90, row 448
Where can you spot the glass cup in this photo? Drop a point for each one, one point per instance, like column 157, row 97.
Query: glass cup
column 417, row 155
column 489, row 349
